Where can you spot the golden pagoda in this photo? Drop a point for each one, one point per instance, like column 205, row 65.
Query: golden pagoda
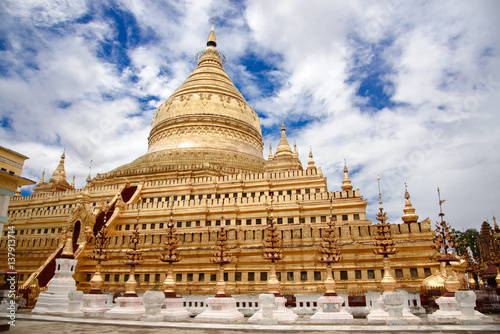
column 206, row 147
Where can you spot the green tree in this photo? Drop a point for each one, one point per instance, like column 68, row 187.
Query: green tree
column 467, row 238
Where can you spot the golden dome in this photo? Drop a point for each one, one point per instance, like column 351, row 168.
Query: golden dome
column 206, row 121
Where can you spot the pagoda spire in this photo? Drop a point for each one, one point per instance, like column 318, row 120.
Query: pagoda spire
column 89, row 178
column 409, row 212
column 346, row 182
column 283, row 146
column 271, row 156
column 212, row 41
column 42, row 179
column 295, row 151
column 310, row 164
column 59, row 175
column 73, row 182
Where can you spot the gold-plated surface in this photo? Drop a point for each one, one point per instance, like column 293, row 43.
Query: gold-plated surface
column 194, row 180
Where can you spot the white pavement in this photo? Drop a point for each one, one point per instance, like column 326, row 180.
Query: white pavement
column 301, row 325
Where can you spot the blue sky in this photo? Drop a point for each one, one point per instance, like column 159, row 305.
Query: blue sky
column 407, row 91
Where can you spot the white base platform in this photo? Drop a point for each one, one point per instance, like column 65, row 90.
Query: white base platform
column 220, row 309
column 94, row 305
column 55, row 300
column 174, row 309
column 379, row 316
column 126, row 308
column 331, row 311
column 280, row 313
column 448, row 311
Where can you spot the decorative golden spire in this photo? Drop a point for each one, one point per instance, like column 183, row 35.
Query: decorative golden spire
column 409, row 215
column 170, row 255
column 18, row 192
column 89, row 178
column 67, row 252
column 271, row 156
column 73, row 182
column 330, row 253
column 59, row 175
column 310, row 164
column 495, row 225
column 42, row 179
column 212, row 41
column 384, row 241
column 295, row 152
column 444, row 238
column 283, row 146
column 346, row 182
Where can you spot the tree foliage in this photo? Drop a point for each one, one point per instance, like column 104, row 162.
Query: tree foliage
column 467, row 238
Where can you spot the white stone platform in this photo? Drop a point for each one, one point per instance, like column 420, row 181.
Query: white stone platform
column 331, row 311
column 174, row 309
column 94, row 305
column 126, row 308
column 221, row 308
column 55, row 300
column 25, row 322
column 281, row 314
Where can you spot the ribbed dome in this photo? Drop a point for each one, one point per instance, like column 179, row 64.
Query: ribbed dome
column 206, row 121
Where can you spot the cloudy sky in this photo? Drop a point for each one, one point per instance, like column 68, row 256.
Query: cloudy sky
column 407, row 91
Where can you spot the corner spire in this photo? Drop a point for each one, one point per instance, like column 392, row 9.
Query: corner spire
column 42, row 179
column 310, row 164
column 346, row 182
column 283, row 146
column 409, row 212
column 381, row 216
column 212, row 41
column 89, row 178
column 271, row 156
column 59, row 175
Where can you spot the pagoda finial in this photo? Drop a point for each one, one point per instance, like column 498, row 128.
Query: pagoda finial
column 73, row 182
column 42, row 179
column 310, row 164
column 59, row 175
column 212, row 41
column 295, row 152
column 409, row 215
column 271, row 156
column 346, row 182
column 441, row 214
column 283, row 146
column 89, row 178
column 379, row 198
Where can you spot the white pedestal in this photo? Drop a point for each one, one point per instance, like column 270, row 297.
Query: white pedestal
column 55, row 300
column 174, row 309
column 129, row 308
column 448, row 311
column 466, row 302
column 75, row 302
column 220, row 309
column 377, row 314
column 394, row 303
column 411, row 318
column 94, row 305
column 331, row 311
column 280, row 313
column 152, row 302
